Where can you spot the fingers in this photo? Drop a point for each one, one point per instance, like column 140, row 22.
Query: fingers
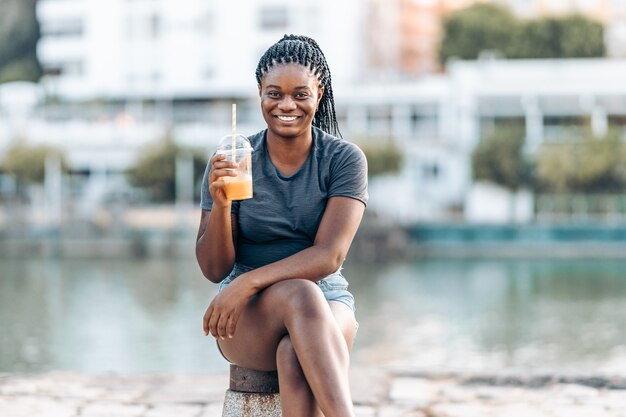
column 221, row 326
column 206, row 319
column 213, row 320
column 217, row 185
column 216, row 174
column 221, row 167
column 216, row 323
column 232, row 324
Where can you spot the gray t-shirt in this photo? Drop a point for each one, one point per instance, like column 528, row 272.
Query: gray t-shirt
column 283, row 216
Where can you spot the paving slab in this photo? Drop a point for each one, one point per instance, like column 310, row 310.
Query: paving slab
column 377, row 392
column 369, row 385
column 176, row 410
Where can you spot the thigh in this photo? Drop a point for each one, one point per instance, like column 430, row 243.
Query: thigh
column 344, row 316
column 261, row 325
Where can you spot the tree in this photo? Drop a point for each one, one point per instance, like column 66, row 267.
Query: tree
column 591, row 165
column 382, row 159
column 581, row 38
column 486, row 27
column 26, row 163
column 539, row 38
column 155, row 170
column 478, row 28
column 499, row 158
column 19, row 33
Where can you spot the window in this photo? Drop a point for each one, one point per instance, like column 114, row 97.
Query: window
column 67, row 28
column 430, row 171
column 154, row 25
column 379, row 120
column 424, row 122
column 273, row 18
column 71, row 68
column 144, row 26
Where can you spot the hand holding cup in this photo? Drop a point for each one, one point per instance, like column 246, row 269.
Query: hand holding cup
column 232, row 173
column 221, row 168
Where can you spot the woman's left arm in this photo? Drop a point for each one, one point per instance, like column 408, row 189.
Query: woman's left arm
column 334, row 236
column 336, row 231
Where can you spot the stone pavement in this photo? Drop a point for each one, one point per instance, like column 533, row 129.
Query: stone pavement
column 377, row 393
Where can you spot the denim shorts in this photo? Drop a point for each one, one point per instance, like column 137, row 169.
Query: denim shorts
column 334, row 287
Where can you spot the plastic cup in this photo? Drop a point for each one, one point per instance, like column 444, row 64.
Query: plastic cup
column 239, row 187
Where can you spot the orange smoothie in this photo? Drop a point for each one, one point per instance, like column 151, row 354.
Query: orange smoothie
column 239, row 187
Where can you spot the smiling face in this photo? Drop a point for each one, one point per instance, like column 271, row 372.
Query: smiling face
column 290, row 94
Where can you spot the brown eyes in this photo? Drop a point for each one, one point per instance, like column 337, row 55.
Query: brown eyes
column 275, row 94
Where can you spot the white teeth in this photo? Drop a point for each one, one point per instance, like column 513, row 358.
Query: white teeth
column 287, row 118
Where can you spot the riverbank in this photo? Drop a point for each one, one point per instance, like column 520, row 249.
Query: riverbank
column 376, row 392
column 376, row 241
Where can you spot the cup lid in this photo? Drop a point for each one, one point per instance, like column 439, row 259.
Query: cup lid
column 226, row 143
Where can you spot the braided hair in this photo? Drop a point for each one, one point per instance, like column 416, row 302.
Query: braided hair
column 305, row 51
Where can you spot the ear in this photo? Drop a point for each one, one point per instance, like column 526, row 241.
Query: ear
column 320, row 93
column 259, row 90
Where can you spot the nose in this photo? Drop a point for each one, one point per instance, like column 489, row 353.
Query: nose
column 287, row 103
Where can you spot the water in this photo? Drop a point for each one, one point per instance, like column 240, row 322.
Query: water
column 145, row 316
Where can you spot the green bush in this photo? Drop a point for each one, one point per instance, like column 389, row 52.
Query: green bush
column 155, row 170
column 26, row 163
column 499, row 158
column 588, row 165
column 382, row 158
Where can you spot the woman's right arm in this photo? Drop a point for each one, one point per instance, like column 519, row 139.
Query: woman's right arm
column 215, row 244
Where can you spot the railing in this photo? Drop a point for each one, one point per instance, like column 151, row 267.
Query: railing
column 580, row 207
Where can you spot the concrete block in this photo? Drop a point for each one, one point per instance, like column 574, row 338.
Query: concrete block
column 244, row 404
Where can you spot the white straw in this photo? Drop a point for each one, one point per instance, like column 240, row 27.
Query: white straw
column 234, row 125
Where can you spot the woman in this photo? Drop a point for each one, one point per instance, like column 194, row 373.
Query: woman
column 283, row 303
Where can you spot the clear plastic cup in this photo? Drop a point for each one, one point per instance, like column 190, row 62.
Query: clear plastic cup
column 239, row 187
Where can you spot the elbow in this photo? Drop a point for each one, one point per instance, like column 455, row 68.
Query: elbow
column 211, row 275
column 335, row 259
column 210, row 271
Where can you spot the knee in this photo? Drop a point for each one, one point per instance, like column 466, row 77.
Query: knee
column 302, row 298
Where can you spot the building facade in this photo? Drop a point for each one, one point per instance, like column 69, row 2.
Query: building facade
column 181, row 49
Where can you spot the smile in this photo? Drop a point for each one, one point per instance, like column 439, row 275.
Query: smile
column 286, row 118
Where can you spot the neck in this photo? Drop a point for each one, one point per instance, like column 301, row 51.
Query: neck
column 288, row 154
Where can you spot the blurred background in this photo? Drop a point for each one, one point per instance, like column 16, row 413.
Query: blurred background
column 495, row 237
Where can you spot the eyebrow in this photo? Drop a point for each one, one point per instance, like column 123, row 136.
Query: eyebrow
column 301, row 87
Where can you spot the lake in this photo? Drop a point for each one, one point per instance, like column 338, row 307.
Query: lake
column 145, row 315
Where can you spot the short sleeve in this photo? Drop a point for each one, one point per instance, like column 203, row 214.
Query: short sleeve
column 348, row 174
column 206, row 201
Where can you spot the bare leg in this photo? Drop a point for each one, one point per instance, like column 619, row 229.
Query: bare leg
column 295, row 393
column 296, row 397
column 296, row 308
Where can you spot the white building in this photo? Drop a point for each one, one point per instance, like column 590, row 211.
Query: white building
column 438, row 122
column 182, row 49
